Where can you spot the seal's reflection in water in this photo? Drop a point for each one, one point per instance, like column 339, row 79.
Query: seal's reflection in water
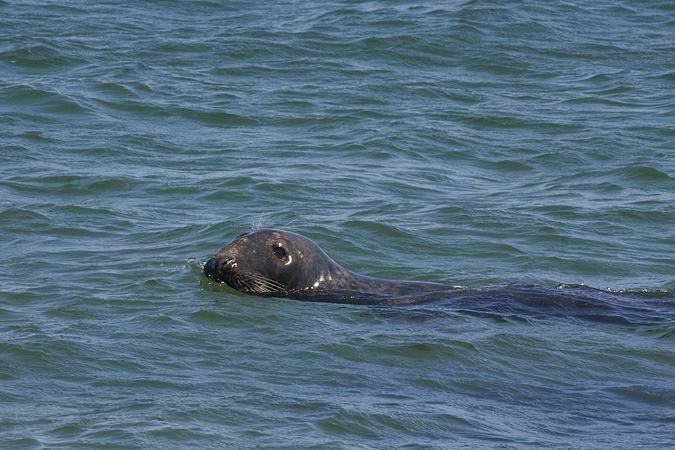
column 274, row 263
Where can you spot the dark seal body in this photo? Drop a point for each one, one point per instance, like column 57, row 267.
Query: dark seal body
column 284, row 264
column 272, row 263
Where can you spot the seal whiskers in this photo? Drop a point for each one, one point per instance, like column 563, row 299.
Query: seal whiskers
column 262, row 285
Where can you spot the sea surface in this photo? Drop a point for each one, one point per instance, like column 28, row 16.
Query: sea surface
column 478, row 143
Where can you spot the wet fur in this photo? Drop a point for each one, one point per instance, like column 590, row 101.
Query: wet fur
column 284, row 264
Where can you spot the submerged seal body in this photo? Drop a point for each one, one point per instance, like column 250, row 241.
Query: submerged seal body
column 272, row 263
column 276, row 263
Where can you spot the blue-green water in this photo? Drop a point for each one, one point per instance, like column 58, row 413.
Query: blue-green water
column 464, row 142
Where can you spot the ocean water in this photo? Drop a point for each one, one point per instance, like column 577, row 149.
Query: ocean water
column 461, row 142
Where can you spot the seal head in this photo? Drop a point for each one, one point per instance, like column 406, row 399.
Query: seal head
column 271, row 261
column 280, row 263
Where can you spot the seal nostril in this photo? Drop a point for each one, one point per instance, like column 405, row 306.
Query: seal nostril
column 215, row 265
column 227, row 262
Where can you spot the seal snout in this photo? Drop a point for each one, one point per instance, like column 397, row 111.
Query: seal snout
column 216, row 266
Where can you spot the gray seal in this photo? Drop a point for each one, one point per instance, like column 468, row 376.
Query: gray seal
column 274, row 263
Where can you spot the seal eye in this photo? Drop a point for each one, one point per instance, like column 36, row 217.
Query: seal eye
column 279, row 252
